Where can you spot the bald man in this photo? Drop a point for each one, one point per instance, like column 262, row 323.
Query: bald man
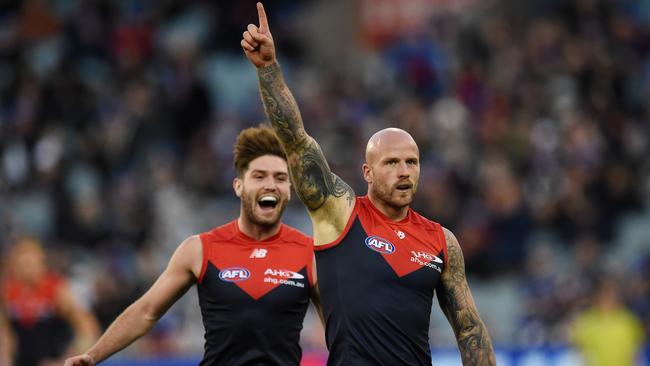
column 378, row 261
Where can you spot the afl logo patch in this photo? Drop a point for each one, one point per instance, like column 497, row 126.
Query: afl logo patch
column 379, row 244
column 234, row 274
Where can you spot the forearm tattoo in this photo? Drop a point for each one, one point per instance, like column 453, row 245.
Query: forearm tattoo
column 310, row 172
column 280, row 106
column 458, row 305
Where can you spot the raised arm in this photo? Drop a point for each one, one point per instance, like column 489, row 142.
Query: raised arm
column 458, row 305
column 329, row 199
column 182, row 271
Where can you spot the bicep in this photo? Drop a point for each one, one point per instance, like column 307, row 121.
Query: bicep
column 456, row 301
column 313, row 179
column 453, row 292
column 329, row 199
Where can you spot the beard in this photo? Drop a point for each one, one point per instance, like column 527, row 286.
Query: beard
column 253, row 212
column 392, row 197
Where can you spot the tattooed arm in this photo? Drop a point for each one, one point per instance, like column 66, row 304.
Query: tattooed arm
column 458, row 305
column 314, row 181
column 329, row 199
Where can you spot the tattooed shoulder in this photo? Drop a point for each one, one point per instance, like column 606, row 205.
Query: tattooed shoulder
column 455, row 260
column 339, row 188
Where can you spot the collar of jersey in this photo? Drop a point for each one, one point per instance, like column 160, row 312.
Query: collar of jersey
column 403, row 221
column 270, row 240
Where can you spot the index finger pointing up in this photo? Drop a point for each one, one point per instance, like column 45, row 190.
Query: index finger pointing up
column 261, row 14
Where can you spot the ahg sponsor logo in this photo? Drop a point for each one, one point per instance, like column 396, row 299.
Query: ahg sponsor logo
column 283, row 277
column 283, row 273
column 426, row 259
column 379, row 244
column 426, row 256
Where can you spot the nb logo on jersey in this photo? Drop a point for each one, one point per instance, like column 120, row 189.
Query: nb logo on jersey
column 400, row 234
column 234, row 274
column 380, row 245
column 258, row 253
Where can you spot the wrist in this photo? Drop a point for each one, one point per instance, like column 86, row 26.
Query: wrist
column 93, row 357
column 269, row 66
column 269, row 72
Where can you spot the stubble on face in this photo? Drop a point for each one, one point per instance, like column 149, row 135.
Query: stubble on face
column 250, row 206
column 390, row 196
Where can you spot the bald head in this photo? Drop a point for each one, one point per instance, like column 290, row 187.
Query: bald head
column 392, row 170
column 388, row 139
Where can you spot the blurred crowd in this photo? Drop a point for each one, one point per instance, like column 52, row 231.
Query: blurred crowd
column 117, row 120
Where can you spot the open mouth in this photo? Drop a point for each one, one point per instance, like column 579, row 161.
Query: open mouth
column 267, row 202
column 405, row 187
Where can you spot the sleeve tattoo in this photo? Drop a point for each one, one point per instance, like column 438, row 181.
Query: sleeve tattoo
column 458, row 305
column 313, row 179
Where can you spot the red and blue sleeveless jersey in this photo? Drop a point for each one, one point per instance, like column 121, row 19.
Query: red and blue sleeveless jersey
column 376, row 284
column 41, row 332
column 254, row 295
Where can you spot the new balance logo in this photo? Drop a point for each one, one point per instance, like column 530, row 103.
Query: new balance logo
column 258, row 253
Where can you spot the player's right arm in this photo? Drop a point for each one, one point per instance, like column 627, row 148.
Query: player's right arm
column 181, row 273
column 329, row 199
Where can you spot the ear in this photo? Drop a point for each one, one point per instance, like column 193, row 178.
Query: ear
column 238, row 186
column 367, row 173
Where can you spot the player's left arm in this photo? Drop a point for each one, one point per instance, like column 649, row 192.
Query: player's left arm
column 83, row 322
column 457, row 303
column 6, row 337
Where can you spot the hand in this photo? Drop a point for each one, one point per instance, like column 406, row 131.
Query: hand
column 81, row 360
column 258, row 42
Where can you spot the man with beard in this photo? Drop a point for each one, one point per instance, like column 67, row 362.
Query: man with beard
column 379, row 262
column 254, row 275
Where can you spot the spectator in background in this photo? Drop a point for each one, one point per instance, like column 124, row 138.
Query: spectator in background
column 39, row 314
column 607, row 334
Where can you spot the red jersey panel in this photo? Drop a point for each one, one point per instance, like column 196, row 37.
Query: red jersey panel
column 254, row 296
column 28, row 305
